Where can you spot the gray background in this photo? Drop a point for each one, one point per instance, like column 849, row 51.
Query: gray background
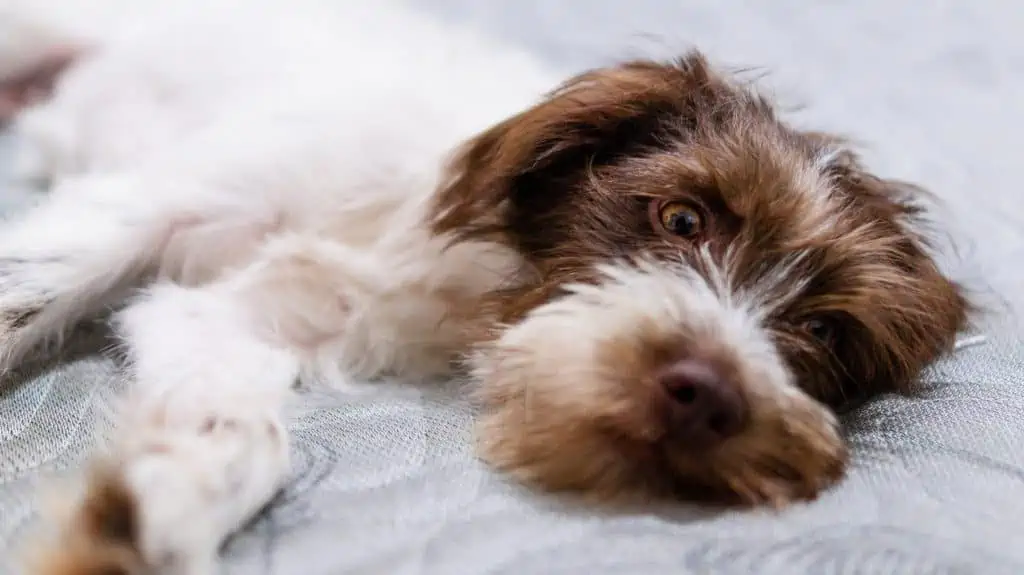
column 386, row 483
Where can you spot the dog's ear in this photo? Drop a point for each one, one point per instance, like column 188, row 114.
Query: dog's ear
column 906, row 204
column 933, row 308
column 527, row 165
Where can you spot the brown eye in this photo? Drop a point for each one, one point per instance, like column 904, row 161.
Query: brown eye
column 680, row 218
column 820, row 329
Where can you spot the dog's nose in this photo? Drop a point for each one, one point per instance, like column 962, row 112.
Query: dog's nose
column 704, row 408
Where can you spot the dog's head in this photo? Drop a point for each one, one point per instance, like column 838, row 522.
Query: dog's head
column 708, row 283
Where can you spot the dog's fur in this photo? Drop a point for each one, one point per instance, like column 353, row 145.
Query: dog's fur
column 303, row 199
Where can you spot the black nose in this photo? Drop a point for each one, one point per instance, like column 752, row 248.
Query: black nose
column 704, row 408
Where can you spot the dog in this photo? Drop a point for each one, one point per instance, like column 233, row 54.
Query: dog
column 658, row 287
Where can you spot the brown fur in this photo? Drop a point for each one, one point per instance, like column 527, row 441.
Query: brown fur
column 570, row 184
column 100, row 538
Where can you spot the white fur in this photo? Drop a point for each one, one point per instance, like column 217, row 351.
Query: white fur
column 269, row 164
column 264, row 166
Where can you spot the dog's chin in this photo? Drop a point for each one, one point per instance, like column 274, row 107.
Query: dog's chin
column 783, row 457
column 613, row 453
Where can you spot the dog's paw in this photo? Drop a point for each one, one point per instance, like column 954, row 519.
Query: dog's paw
column 115, row 530
column 173, row 494
column 200, row 480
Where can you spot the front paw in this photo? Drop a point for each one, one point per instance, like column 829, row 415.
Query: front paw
column 198, row 478
column 114, row 529
column 175, row 490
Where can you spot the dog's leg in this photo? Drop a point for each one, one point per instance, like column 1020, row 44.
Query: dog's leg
column 94, row 237
column 201, row 445
column 61, row 259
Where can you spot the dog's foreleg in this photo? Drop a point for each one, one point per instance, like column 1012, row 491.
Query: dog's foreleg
column 69, row 255
column 201, row 445
column 94, row 237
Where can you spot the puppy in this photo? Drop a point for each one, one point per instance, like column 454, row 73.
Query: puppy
column 658, row 287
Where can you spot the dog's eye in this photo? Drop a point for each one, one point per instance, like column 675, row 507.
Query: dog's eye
column 820, row 329
column 680, row 218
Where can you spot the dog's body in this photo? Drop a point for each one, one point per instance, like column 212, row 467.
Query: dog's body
column 294, row 151
column 658, row 285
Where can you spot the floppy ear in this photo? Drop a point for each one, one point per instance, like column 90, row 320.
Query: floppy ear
column 528, row 164
column 931, row 306
column 907, row 204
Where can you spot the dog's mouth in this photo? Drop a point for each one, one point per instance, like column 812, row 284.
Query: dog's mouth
column 778, row 459
column 777, row 456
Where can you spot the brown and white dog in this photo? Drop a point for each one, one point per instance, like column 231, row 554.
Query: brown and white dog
column 659, row 287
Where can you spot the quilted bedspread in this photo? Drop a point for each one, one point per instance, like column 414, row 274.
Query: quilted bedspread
column 386, row 483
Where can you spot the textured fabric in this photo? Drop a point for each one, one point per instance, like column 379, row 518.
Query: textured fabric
column 386, row 483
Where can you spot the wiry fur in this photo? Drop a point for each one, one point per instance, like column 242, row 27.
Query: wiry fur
column 303, row 200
